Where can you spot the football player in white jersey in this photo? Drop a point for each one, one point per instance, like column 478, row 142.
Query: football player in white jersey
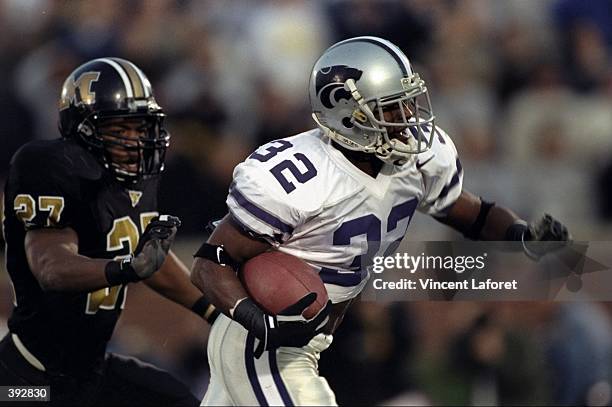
column 329, row 196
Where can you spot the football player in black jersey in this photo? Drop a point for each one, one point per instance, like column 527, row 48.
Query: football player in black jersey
column 81, row 222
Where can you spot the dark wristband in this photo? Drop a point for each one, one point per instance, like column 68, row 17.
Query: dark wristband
column 216, row 254
column 517, row 232
column 473, row 233
column 120, row 272
column 203, row 308
column 250, row 316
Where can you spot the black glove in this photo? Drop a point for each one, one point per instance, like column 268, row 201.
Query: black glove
column 149, row 255
column 288, row 328
column 544, row 236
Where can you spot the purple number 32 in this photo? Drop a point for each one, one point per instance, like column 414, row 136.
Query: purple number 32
column 280, row 170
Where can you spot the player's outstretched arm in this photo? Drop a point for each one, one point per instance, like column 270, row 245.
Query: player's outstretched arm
column 53, row 256
column 172, row 281
column 481, row 220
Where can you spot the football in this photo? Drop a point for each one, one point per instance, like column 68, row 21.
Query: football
column 276, row 280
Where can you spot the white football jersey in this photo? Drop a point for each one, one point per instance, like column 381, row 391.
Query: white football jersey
column 306, row 198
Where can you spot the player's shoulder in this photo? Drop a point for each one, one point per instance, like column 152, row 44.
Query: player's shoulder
column 55, row 158
column 441, row 157
column 295, row 172
column 308, row 143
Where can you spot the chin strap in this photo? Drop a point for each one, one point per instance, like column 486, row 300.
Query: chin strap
column 326, row 130
column 350, row 84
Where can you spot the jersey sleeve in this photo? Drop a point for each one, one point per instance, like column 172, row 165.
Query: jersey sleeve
column 258, row 207
column 442, row 176
column 40, row 190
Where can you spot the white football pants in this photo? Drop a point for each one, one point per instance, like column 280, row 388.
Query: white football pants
column 284, row 377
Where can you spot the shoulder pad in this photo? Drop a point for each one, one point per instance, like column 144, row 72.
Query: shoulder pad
column 59, row 158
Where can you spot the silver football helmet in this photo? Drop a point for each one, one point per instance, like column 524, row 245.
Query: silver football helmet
column 365, row 96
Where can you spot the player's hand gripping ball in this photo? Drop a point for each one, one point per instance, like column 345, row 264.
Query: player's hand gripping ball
column 277, row 280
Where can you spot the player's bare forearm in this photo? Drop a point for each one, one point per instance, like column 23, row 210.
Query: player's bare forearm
column 172, row 281
column 481, row 220
column 464, row 214
column 497, row 224
column 220, row 284
column 54, row 259
column 55, row 262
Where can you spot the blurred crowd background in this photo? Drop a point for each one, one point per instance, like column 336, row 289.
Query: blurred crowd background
column 524, row 88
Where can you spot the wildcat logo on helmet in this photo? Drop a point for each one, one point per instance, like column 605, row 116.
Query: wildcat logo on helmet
column 83, row 83
column 330, row 83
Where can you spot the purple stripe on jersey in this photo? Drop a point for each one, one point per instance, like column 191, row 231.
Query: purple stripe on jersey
column 400, row 212
column 260, row 213
column 332, row 276
column 277, row 237
column 454, row 181
column 250, row 366
column 278, row 380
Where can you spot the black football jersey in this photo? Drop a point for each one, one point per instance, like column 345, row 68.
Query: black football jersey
column 59, row 184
